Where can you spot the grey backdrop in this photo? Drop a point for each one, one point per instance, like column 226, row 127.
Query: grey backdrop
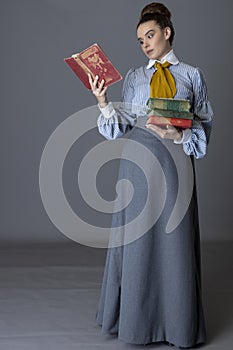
column 38, row 92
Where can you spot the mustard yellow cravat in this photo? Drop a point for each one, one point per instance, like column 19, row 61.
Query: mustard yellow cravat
column 162, row 82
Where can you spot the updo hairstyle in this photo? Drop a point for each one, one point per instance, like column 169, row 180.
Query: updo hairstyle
column 159, row 13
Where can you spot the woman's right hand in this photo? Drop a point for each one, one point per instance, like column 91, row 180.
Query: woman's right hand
column 99, row 90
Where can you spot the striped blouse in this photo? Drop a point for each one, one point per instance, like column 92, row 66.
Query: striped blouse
column 190, row 84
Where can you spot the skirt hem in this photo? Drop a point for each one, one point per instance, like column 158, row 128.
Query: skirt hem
column 153, row 340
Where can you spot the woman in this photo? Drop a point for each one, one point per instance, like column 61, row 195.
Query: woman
column 151, row 290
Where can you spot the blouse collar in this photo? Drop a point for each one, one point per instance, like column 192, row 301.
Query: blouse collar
column 169, row 57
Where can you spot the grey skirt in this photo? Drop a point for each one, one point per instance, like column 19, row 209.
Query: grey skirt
column 151, row 288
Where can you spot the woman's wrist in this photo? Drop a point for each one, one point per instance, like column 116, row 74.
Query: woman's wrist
column 179, row 135
column 103, row 104
column 107, row 111
column 102, row 101
column 186, row 136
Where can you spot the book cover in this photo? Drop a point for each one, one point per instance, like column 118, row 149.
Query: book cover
column 164, row 121
column 169, row 104
column 93, row 60
column 170, row 114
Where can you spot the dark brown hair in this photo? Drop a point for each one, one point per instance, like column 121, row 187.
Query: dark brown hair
column 159, row 13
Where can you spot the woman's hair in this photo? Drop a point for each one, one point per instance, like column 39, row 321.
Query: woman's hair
column 159, row 13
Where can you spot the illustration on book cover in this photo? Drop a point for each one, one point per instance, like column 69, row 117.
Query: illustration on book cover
column 93, row 56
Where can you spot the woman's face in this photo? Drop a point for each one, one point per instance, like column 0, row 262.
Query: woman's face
column 154, row 41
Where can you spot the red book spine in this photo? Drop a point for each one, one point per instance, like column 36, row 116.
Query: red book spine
column 79, row 69
column 177, row 122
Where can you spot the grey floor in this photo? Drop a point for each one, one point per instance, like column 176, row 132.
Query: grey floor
column 49, row 295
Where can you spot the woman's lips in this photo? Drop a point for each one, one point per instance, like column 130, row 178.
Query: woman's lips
column 149, row 52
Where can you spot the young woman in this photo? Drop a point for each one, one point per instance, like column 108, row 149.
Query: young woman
column 151, row 290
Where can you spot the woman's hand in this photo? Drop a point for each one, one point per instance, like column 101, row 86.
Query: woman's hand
column 170, row 132
column 99, row 90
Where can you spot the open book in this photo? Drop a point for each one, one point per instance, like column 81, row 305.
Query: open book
column 94, row 61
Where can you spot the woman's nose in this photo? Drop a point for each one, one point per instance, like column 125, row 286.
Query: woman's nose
column 145, row 44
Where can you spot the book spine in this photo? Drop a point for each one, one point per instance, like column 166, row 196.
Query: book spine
column 162, row 121
column 170, row 114
column 169, row 104
column 80, row 69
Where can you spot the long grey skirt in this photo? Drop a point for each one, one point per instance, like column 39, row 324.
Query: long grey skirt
column 151, row 288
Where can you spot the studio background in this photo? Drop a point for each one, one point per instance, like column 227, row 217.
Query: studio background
column 39, row 91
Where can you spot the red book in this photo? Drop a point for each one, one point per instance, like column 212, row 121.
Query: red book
column 94, row 61
column 164, row 121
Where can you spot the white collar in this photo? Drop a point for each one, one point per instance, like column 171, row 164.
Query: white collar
column 169, row 57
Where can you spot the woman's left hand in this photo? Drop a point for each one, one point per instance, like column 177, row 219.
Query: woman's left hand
column 170, row 132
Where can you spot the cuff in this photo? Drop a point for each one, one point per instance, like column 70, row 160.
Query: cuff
column 187, row 134
column 107, row 111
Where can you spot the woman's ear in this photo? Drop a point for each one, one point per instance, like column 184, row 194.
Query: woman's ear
column 167, row 33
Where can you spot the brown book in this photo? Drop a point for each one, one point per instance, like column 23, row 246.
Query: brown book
column 93, row 60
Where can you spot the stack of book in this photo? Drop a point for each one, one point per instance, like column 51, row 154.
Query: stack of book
column 167, row 111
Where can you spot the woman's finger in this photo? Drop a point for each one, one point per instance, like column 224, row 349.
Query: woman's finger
column 155, row 128
column 159, row 131
column 101, row 84
column 103, row 91
column 95, row 82
column 90, row 81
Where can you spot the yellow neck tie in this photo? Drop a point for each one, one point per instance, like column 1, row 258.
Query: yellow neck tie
column 162, row 83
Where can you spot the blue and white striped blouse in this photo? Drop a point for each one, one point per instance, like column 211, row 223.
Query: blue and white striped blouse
column 190, row 84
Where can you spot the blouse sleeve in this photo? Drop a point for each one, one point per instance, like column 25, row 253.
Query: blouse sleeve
column 119, row 119
column 197, row 143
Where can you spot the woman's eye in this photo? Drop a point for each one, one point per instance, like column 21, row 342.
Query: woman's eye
column 150, row 36
column 141, row 42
